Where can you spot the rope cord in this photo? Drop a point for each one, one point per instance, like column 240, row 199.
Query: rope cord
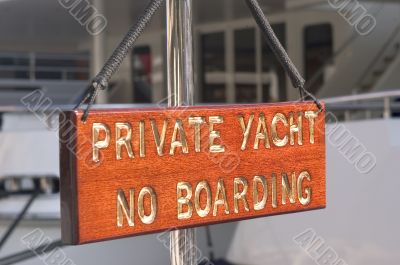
column 100, row 82
column 275, row 45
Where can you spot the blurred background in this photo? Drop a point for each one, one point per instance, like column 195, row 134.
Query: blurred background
column 348, row 51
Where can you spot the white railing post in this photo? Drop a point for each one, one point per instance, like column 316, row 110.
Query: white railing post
column 386, row 108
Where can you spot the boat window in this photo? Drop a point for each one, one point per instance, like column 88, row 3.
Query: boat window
column 270, row 64
column 213, row 67
column 245, row 50
column 141, row 74
column 318, row 45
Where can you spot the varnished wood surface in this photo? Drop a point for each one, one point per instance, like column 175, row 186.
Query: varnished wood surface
column 89, row 189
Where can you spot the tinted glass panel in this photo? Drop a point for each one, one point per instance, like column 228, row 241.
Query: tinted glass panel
column 20, row 61
column 271, row 63
column 212, row 61
column 245, row 50
column 14, row 74
column 213, row 52
column 318, row 43
column 246, row 93
column 141, row 72
column 77, row 76
column 214, row 93
column 48, row 75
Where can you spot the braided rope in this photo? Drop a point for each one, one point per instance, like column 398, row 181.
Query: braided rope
column 100, row 82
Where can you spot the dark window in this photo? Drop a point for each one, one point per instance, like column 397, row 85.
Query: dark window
column 44, row 66
column 84, row 75
column 215, row 93
column 14, row 74
column 141, row 72
column 213, row 61
column 266, row 96
column 245, row 50
column 47, row 62
column 318, row 44
column 213, row 52
column 271, row 63
column 48, row 75
column 246, row 93
column 14, row 61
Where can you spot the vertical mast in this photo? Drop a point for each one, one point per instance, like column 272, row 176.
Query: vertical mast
column 180, row 93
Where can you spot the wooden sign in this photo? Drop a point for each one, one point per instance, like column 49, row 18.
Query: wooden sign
column 130, row 172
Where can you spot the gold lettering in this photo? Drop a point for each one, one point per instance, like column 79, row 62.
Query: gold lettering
column 121, row 141
column 262, row 133
column 304, row 201
column 124, row 209
column 240, row 195
column 147, row 219
column 220, row 201
column 215, row 134
column 275, row 138
column 245, row 129
column 287, row 189
column 202, row 186
column 182, row 138
column 184, row 200
column 197, row 122
column 99, row 144
column 159, row 140
column 311, row 116
column 296, row 128
column 259, row 205
column 274, row 192
column 142, row 146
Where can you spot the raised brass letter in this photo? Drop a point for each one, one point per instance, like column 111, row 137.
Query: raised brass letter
column 197, row 122
column 287, row 189
column 275, row 138
column 159, row 140
column 222, row 201
column 142, row 145
column 296, row 128
column 147, row 219
column 262, row 133
column 274, row 191
column 184, row 200
column 311, row 116
column 240, row 195
column 124, row 209
column 99, row 144
column 202, row 186
column 121, row 141
column 215, row 134
column 245, row 129
column 259, row 205
column 182, row 138
column 304, row 201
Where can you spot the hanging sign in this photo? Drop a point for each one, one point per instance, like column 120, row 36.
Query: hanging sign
column 129, row 172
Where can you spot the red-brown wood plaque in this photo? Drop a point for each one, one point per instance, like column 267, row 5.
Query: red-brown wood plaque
column 129, row 172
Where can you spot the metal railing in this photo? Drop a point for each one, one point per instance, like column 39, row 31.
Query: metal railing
column 38, row 66
column 385, row 104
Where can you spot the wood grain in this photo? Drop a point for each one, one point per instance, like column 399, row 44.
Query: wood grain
column 89, row 189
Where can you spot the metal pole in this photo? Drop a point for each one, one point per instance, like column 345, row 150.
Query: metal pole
column 18, row 219
column 99, row 50
column 179, row 52
column 180, row 93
